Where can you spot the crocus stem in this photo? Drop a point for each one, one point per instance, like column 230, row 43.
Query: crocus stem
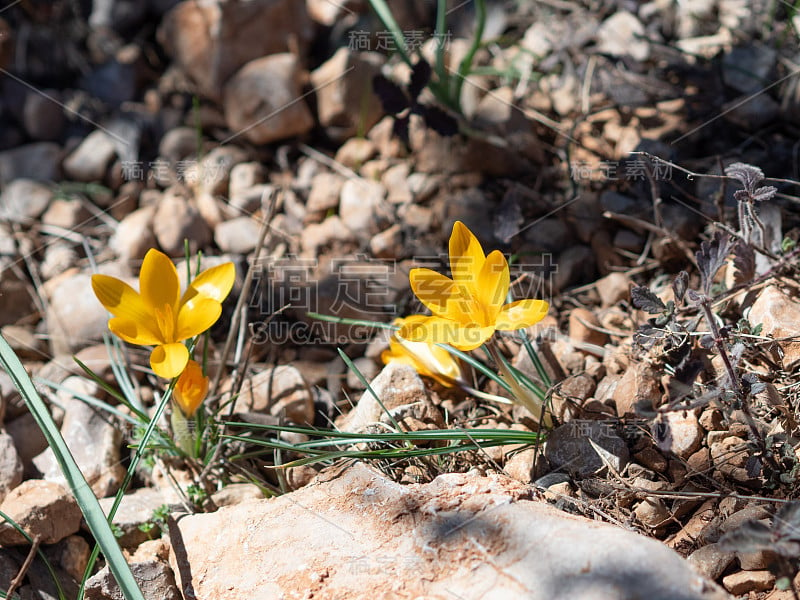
column 183, row 430
column 522, row 395
column 483, row 395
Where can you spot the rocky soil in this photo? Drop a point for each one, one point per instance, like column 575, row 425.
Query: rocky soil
column 593, row 141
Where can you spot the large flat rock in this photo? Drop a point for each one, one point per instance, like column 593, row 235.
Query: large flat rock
column 356, row 534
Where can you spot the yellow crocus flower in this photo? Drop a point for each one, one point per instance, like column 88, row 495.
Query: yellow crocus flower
column 470, row 307
column 428, row 359
column 191, row 389
column 158, row 315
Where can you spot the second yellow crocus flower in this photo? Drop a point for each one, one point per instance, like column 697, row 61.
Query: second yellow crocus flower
column 428, row 359
column 470, row 307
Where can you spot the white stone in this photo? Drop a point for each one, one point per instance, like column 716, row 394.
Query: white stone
column 90, row 160
column 356, row 534
column 361, row 206
column 620, row 35
column 237, row 236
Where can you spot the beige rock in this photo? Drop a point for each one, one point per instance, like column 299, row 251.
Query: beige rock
column 262, row 100
column 652, row 512
column 154, row 576
column 395, row 180
column 278, row 391
column 317, row 235
column 58, row 257
column 43, row 509
column 326, row 12
column 10, row 465
column 396, row 385
column 346, row 103
column 757, row 561
column 90, row 160
column 67, row 214
column 712, row 419
column 583, row 326
column 29, row 441
column 72, row 555
column 652, row 459
column 702, row 526
column 176, row 220
column 355, row 152
column 751, row 512
column 700, row 461
column 362, row 207
column 237, row 236
column 744, row 582
column 211, row 40
column 24, row 342
column 91, row 436
column 710, row 560
column 360, row 535
column 679, row 432
column 212, row 174
column 525, row 466
column 367, row 367
column 236, row 493
column 640, row 383
column 613, row 288
column 135, row 510
column 74, row 317
column 134, row 235
column 622, row 34
column 211, row 208
column 779, row 315
column 388, row 243
column 23, row 200
column 324, row 195
column 245, row 188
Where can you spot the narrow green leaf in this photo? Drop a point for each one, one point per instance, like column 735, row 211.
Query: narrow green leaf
column 95, row 518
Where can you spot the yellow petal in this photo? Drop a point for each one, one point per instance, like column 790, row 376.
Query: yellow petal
column 215, row 283
column 433, row 289
column 466, row 255
column 437, row 330
column 393, row 354
column 196, row 316
column 133, row 332
column 121, row 300
column 492, row 285
column 158, row 280
column 432, row 360
column 168, row 360
column 471, row 337
column 522, row 313
column 191, row 388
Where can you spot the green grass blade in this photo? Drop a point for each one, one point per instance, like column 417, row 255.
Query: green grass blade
column 387, row 18
column 507, row 436
column 534, row 356
column 465, row 67
column 95, row 518
column 344, row 321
